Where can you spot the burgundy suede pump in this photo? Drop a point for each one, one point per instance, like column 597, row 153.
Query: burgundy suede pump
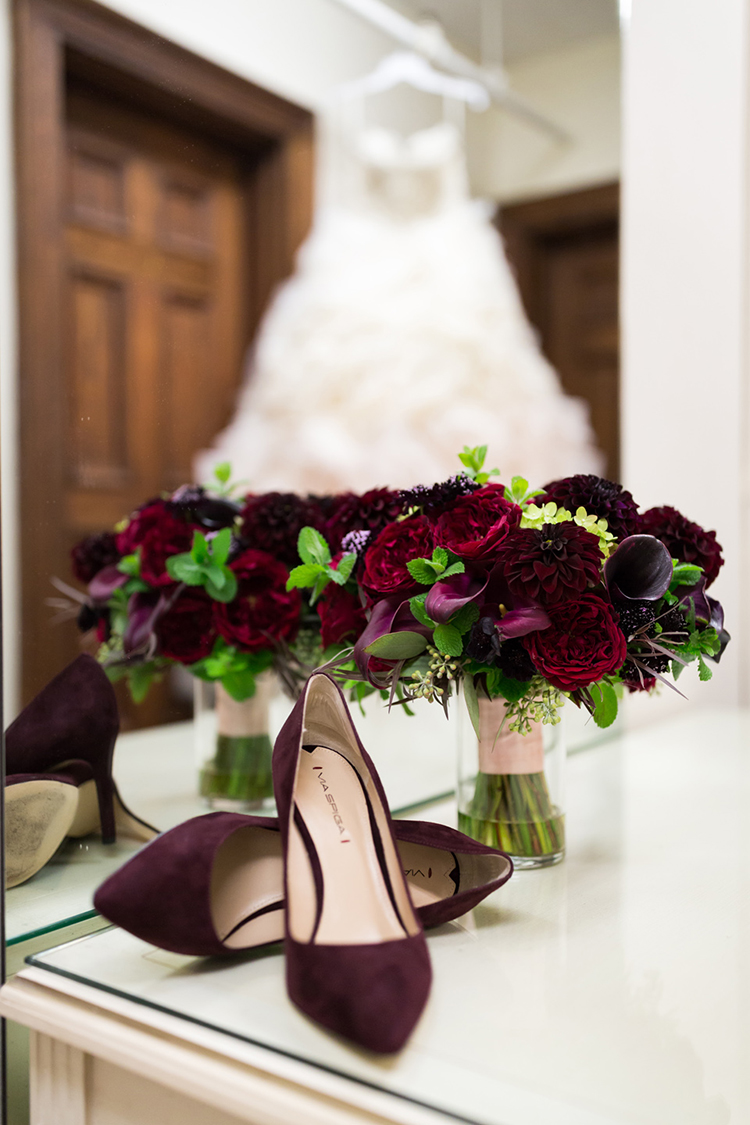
column 213, row 885
column 58, row 755
column 356, row 955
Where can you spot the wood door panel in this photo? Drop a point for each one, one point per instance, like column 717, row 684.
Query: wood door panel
column 186, row 333
column 97, row 447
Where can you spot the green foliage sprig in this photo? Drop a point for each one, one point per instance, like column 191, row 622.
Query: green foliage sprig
column 316, row 570
column 205, row 565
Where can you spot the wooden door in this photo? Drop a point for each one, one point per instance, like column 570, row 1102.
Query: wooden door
column 565, row 252
column 154, row 280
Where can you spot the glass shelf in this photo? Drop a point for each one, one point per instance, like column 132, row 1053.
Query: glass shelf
column 157, row 777
column 611, row 989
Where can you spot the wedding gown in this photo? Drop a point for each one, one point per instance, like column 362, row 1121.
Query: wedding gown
column 400, row 339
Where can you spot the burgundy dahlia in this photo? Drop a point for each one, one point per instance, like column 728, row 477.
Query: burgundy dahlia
column 92, row 555
column 601, row 498
column 187, row 631
column 271, row 522
column 264, row 610
column 684, row 540
column 550, row 564
column 372, row 511
column 476, row 525
column 582, row 644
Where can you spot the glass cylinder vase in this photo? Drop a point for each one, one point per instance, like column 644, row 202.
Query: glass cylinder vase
column 511, row 786
column 234, row 747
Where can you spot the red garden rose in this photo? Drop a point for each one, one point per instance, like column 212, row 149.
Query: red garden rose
column 685, row 540
column 187, row 631
column 385, row 571
column 342, row 617
column 476, row 525
column 159, row 534
column 583, row 643
column 263, row 611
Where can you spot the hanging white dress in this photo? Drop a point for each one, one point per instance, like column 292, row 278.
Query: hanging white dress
column 400, row 339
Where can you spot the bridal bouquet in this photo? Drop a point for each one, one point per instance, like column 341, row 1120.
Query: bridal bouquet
column 528, row 597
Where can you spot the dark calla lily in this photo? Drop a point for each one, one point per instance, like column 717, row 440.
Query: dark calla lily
column 144, row 610
column 717, row 620
column 446, row 597
column 697, row 595
column 390, row 615
column 640, row 569
column 104, row 584
column 525, row 619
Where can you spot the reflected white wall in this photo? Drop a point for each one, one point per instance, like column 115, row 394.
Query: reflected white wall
column 684, row 294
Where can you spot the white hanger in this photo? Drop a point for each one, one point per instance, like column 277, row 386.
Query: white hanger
column 412, row 69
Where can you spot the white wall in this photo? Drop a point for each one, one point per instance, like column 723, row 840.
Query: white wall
column 579, row 88
column 685, row 298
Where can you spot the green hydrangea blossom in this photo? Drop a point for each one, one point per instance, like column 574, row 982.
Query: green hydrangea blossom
column 536, row 516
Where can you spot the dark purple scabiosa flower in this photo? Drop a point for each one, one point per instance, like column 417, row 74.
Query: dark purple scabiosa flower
column 272, row 521
column 514, row 661
column 193, row 504
column 646, row 634
column 601, row 498
column 92, row 555
column 684, row 540
column 550, row 564
column 372, row 511
column 434, row 499
column 484, row 641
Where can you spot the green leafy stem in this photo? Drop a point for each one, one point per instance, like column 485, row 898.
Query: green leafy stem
column 316, row 570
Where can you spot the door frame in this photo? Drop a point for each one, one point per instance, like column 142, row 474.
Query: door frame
column 58, row 38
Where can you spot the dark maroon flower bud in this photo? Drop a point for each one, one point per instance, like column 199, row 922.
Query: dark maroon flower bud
column 684, row 540
column 92, row 555
column 601, row 498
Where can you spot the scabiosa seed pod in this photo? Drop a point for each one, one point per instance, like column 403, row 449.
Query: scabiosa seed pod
column 601, row 498
column 685, row 540
column 434, row 499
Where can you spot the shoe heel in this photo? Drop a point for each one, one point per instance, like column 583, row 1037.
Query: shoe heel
column 105, row 793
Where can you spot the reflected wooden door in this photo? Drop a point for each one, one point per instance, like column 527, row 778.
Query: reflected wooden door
column 565, row 252
column 156, row 296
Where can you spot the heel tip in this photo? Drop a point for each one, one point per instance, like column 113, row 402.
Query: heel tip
column 109, row 839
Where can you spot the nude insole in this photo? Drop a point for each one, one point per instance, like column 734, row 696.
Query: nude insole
column 247, row 907
column 356, row 907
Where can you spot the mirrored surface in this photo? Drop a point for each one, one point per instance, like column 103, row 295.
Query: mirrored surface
column 609, row 989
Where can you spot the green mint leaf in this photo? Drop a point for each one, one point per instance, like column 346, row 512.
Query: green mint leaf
column 312, row 547
column 397, row 646
column 220, row 545
column 200, row 551
column 519, row 487
column 440, row 557
column 225, row 593
column 319, row 586
column 239, row 684
column 416, row 605
column 131, row 564
column 605, row 703
column 454, row 568
column 498, row 684
column 346, row 565
column 704, row 672
column 184, row 568
column 447, row 640
column 422, row 571
column 140, row 679
column 708, row 641
column 303, row 576
column 216, row 575
column 464, row 618
column 223, row 472
column 685, row 574
column 136, row 586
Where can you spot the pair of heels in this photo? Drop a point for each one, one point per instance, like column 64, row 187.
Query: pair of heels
column 349, row 890
column 58, row 761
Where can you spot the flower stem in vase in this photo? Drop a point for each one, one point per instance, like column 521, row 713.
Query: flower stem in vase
column 239, row 773
column 511, row 807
